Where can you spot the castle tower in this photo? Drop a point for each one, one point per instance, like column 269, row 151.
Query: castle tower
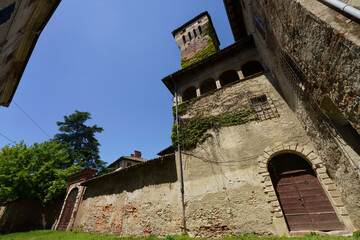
column 196, row 39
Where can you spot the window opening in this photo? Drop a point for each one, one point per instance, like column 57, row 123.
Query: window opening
column 251, row 68
column 194, row 33
column 5, row 13
column 293, row 73
column 189, row 94
column 262, row 108
column 228, row 77
column 207, row 85
column 184, row 39
column 189, row 35
column 200, row 30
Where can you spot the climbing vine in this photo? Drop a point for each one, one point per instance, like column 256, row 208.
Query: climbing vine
column 193, row 132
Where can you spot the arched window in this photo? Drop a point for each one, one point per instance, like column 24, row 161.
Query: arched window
column 207, row 85
column 228, row 77
column 189, row 93
column 251, row 68
column 301, row 196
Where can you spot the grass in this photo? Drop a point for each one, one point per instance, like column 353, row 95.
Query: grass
column 57, row 235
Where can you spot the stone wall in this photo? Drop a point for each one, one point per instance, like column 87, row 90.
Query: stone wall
column 26, row 215
column 324, row 46
column 224, row 187
column 135, row 201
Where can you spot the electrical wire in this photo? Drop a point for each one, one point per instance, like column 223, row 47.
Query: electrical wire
column 31, row 119
column 7, row 138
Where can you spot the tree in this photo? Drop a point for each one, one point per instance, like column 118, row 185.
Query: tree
column 35, row 172
column 84, row 147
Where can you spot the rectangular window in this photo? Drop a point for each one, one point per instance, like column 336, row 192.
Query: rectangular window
column 184, row 39
column 262, row 108
column 293, row 73
column 200, row 30
column 5, row 13
column 189, row 35
column 194, row 33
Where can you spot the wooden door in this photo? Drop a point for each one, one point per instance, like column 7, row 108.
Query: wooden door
column 303, row 200
column 68, row 210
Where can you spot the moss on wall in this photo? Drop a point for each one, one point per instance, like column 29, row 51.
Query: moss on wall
column 210, row 48
column 193, row 132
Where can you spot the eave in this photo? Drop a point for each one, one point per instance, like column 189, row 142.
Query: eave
column 18, row 37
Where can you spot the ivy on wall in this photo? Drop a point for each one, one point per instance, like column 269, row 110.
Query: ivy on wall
column 210, row 48
column 193, row 132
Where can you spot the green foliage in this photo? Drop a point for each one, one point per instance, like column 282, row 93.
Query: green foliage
column 35, row 172
column 210, row 49
column 356, row 234
column 60, row 235
column 193, row 131
column 84, row 147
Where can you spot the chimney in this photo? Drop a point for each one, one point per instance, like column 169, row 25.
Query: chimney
column 196, row 39
column 137, row 154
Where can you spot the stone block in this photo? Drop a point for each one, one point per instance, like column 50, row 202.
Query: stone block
column 306, row 151
column 316, row 161
column 331, row 187
column 324, row 176
column 338, row 202
column 327, row 181
column 279, row 214
column 343, row 211
column 334, row 194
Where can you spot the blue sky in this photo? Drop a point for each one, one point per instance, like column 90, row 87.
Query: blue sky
column 108, row 58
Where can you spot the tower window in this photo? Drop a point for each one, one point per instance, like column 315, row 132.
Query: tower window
column 184, row 39
column 200, row 30
column 189, row 35
column 194, row 32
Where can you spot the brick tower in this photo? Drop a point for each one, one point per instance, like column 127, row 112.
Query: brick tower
column 196, row 39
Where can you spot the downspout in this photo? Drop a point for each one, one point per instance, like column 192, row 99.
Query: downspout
column 343, row 7
column 179, row 155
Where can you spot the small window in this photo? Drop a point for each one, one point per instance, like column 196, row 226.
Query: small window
column 262, row 108
column 184, row 39
column 189, row 93
column 194, row 33
column 200, row 30
column 189, row 35
column 5, row 13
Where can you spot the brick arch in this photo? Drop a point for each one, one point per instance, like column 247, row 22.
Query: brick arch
column 77, row 188
column 310, row 155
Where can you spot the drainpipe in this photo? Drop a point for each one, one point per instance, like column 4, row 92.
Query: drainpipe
column 179, row 154
column 343, row 7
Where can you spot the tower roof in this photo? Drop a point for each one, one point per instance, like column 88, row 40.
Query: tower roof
column 193, row 20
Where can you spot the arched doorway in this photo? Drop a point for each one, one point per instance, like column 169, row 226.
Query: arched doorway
column 68, row 210
column 302, row 198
